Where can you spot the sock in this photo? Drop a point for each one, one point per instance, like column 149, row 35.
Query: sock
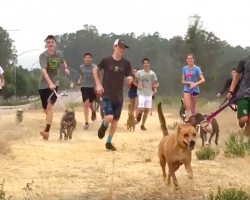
column 109, row 139
column 106, row 124
column 47, row 128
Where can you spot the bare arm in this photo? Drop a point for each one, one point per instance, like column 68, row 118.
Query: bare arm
column 46, row 76
column 235, row 81
column 97, row 78
column 65, row 64
column 184, row 81
column 43, row 64
column 202, row 79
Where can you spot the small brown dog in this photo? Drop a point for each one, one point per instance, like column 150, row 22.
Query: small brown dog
column 68, row 124
column 19, row 116
column 175, row 149
column 131, row 120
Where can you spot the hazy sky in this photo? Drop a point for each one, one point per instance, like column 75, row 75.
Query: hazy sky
column 36, row 19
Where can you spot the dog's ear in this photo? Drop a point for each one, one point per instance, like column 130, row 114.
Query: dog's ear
column 192, row 120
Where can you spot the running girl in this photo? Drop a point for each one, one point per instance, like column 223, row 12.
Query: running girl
column 132, row 93
column 190, row 78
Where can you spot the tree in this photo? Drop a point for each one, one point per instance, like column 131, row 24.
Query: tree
column 167, row 57
column 7, row 48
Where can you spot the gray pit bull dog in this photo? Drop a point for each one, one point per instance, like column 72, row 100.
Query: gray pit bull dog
column 68, row 124
column 211, row 128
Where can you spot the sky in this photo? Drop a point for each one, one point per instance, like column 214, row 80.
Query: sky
column 36, row 19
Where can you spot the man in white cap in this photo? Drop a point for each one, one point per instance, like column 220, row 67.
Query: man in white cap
column 115, row 68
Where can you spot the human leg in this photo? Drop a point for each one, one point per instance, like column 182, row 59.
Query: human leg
column 141, row 107
column 109, row 116
column 194, row 101
column 148, row 106
column 243, row 116
column 50, row 97
column 117, row 108
column 85, row 99
column 187, row 102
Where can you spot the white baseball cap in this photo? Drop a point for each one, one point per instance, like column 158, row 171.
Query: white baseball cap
column 120, row 43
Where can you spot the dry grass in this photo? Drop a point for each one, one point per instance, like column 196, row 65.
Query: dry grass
column 82, row 169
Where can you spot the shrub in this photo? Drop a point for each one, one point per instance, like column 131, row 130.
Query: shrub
column 228, row 194
column 207, row 153
column 234, row 147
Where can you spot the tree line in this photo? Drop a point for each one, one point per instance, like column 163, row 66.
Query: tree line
column 167, row 56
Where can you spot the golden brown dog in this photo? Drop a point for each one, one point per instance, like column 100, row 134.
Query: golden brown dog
column 131, row 120
column 19, row 116
column 175, row 149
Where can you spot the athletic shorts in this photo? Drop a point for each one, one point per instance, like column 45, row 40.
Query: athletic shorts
column 45, row 94
column 111, row 108
column 88, row 94
column 132, row 94
column 243, row 106
column 194, row 93
column 144, row 101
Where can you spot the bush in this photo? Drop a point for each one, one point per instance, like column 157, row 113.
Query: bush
column 234, row 147
column 207, row 153
column 228, row 194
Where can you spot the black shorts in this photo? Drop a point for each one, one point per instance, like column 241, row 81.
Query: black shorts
column 111, row 108
column 88, row 94
column 194, row 93
column 45, row 94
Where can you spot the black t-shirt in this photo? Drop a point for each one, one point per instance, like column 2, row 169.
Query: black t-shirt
column 113, row 77
column 243, row 69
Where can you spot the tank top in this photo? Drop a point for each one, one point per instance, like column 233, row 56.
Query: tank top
column 133, row 88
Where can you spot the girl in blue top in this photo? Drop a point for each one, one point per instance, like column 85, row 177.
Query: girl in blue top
column 191, row 78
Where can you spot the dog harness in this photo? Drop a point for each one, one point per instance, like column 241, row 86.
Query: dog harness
column 204, row 124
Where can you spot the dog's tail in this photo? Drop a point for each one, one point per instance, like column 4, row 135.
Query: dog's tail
column 162, row 121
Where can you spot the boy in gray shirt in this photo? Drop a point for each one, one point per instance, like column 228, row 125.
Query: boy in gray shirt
column 147, row 81
column 87, row 83
column 50, row 61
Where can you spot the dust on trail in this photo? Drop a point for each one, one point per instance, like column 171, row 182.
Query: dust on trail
column 83, row 169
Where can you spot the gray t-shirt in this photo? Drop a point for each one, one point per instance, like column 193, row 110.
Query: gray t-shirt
column 52, row 64
column 145, row 82
column 87, row 74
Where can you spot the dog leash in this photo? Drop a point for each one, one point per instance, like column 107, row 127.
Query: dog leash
column 234, row 109
column 211, row 116
column 60, row 101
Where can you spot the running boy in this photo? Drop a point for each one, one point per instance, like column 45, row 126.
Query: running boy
column 50, row 61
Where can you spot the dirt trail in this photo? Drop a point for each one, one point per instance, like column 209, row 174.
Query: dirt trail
column 83, row 169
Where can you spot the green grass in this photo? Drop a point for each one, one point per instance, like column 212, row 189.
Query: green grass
column 228, row 194
column 207, row 153
column 234, row 147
